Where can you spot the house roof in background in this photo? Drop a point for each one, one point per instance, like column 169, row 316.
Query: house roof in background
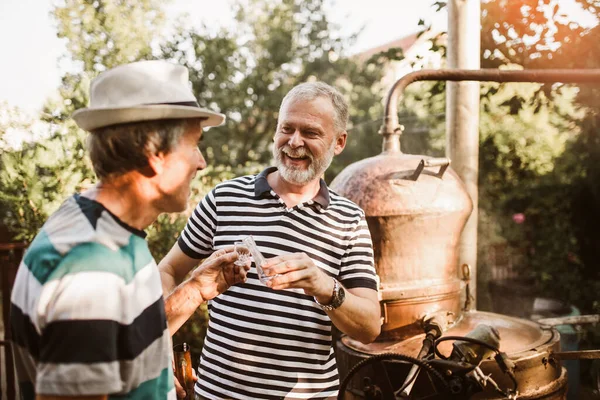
column 404, row 43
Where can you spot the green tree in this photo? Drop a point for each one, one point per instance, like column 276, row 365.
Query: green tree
column 565, row 246
column 100, row 35
column 245, row 72
column 540, row 147
column 36, row 178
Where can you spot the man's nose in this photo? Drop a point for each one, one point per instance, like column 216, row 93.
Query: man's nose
column 296, row 140
column 201, row 161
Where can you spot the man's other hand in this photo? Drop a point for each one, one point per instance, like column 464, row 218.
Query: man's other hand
column 218, row 273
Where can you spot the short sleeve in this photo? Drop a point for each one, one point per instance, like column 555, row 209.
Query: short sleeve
column 357, row 266
column 196, row 239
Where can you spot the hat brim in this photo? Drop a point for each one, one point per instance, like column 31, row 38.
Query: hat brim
column 94, row 118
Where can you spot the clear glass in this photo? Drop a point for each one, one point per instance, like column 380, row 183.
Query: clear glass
column 243, row 254
column 250, row 245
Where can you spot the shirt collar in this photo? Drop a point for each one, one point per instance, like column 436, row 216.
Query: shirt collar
column 261, row 185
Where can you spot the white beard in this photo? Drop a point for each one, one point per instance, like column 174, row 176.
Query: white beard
column 299, row 175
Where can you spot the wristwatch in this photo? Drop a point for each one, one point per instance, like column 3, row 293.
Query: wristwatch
column 339, row 295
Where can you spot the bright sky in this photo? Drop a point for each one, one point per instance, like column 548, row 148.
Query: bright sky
column 29, row 66
column 30, row 71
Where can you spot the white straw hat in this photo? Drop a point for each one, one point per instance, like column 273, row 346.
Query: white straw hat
column 142, row 91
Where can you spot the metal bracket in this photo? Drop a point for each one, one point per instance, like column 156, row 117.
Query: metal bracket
column 443, row 163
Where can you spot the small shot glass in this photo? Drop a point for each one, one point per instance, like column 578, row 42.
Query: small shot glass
column 259, row 259
column 244, row 256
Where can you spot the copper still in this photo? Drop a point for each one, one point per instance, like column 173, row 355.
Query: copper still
column 416, row 208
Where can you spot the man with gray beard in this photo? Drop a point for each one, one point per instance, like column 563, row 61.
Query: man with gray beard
column 271, row 336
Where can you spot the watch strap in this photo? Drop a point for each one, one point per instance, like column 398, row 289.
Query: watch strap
column 337, row 299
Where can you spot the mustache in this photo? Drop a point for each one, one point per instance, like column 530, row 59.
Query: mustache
column 297, row 152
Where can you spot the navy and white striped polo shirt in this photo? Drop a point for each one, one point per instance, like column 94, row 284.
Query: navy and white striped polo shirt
column 262, row 343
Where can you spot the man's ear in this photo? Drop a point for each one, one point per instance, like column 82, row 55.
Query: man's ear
column 340, row 142
column 156, row 164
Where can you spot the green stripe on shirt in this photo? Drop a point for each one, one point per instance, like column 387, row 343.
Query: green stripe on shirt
column 41, row 257
column 156, row 388
column 46, row 264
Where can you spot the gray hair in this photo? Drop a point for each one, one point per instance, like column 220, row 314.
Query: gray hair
column 118, row 149
column 311, row 90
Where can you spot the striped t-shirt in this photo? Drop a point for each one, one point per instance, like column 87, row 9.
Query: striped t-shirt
column 87, row 312
column 268, row 344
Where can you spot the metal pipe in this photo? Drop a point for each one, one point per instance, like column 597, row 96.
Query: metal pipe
column 391, row 125
column 571, row 320
column 462, row 117
column 576, row 355
column 414, row 371
column 434, row 326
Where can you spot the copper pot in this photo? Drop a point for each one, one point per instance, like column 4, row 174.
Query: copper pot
column 416, row 208
column 527, row 344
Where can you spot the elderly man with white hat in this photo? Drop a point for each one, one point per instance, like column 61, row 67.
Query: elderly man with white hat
column 87, row 312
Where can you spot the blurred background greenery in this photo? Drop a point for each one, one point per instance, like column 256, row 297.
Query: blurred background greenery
column 539, row 176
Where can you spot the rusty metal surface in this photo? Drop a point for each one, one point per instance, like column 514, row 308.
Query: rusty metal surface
column 517, row 336
column 382, row 186
column 527, row 344
column 551, row 386
column 402, row 318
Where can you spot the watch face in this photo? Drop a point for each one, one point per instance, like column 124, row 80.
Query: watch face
column 339, row 294
column 338, row 297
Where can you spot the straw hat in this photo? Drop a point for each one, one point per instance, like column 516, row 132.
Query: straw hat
column 142, row 91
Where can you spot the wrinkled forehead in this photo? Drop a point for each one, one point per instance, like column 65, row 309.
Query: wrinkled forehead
column 318, row 111
column 304, row 99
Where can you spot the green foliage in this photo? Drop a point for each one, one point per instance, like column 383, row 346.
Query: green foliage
column 423, row 116
column 526, row 167
column 105, row 33
column 549, row 169
column 36, row 179
column 540, row 147
column 520, row 147
column 535, row 34
column 100, row 35
column 245, row 72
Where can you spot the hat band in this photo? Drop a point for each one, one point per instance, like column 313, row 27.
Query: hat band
column 179, row 103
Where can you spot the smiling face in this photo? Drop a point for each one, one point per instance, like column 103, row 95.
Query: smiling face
column 306, row 139
column 178, row 169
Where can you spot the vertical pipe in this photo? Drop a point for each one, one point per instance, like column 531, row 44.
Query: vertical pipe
column 462, row 116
